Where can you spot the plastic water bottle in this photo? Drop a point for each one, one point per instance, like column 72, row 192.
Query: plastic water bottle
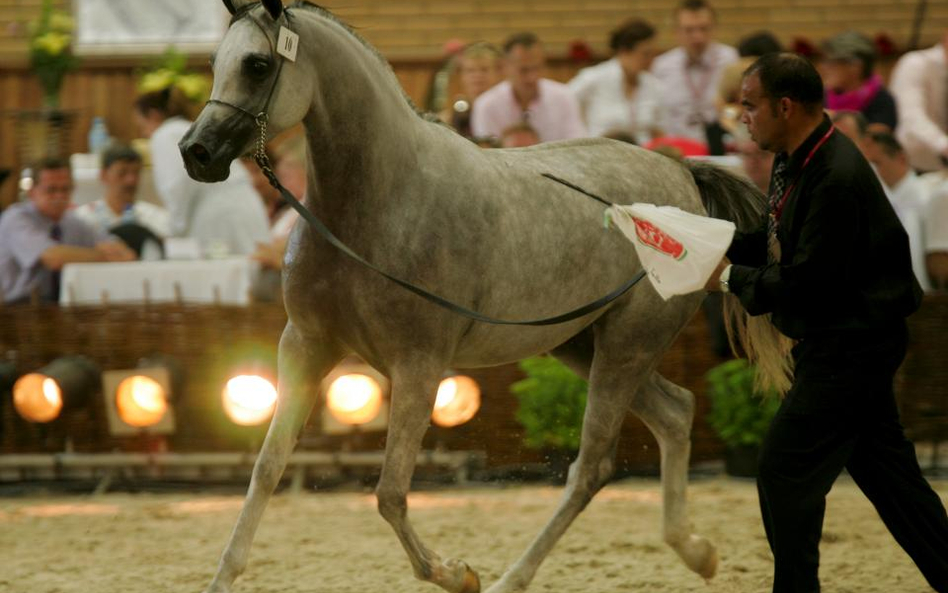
column 98, row 136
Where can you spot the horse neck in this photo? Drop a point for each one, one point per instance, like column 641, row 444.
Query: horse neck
column 359, row 126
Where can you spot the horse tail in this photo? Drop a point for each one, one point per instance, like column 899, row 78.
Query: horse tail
column 730, row 197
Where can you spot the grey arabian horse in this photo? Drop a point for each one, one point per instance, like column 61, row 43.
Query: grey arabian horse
column 482, row 228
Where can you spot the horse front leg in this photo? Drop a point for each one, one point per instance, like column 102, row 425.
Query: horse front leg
column 610, row 392
column 667, row 410
column 412, row 403
column 303, row 362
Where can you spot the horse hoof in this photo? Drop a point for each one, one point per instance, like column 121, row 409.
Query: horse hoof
column 471, row 583
column 703, row 557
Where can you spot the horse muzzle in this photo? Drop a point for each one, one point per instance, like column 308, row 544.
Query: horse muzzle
column 209, row 150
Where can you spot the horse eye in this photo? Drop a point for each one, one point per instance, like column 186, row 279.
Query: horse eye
column 257, row 67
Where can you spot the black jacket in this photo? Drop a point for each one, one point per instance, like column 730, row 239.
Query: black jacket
column 844, row 262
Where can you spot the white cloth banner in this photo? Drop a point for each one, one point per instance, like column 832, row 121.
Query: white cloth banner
column 678, row 250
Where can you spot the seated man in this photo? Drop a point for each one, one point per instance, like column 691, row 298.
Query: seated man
column 548, row 106
column 905, row 191
column 936, row 238
column 120, row 173
column 39, row 237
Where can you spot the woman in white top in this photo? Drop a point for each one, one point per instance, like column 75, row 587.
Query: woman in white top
column 621, row 95
column 226, row 218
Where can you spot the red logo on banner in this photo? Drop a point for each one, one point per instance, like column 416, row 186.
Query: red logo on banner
column 656, row 238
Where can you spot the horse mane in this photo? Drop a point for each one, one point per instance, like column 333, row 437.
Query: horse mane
column 386, row 66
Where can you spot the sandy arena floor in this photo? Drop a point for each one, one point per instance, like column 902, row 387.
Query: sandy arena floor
column 337, row 543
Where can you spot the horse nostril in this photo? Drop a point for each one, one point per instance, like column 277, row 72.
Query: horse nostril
column 199, row 153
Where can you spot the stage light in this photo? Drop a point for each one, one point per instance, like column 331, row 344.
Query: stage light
column 65, row 382
column 355, row 398
column 138, row 400
column 458, row 400
column 249, row 399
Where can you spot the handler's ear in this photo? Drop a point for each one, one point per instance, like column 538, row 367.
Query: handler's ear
column 274, row 7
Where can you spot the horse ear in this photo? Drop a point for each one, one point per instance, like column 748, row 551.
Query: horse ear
column 274, row 7
column 230, row 6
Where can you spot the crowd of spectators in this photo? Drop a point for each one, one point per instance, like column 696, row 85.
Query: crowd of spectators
column 683, row 102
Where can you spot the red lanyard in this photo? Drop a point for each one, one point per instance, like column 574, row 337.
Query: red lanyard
column 778, row 208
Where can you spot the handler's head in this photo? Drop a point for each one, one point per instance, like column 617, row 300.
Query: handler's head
column 779, row 92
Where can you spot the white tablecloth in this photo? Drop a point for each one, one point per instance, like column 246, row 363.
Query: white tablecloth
column 224, row 281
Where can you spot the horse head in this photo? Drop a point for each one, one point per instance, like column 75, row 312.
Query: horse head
column 258, row 90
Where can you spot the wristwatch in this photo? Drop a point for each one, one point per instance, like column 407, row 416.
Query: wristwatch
column 724, row 278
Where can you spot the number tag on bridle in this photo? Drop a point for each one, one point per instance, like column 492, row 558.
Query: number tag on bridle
column 287, row 44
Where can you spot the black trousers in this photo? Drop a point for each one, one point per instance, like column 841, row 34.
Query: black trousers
column 841, row 413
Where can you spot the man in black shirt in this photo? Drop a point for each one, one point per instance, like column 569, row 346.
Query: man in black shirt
column 831, row 265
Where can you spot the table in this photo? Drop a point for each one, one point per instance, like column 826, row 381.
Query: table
column 221, row 281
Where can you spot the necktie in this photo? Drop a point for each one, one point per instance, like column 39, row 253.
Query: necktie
column 56, row 234
column 779, row 186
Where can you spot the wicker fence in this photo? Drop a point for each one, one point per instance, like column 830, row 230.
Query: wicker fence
column 210, row 342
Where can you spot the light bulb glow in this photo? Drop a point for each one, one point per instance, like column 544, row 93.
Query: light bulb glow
column 249, row 399
column 37, row 398
column 354, row 399
column 141, row 401
column 458, row 400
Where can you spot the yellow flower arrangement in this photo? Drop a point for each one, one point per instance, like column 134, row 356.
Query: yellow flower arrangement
column 50, row 54
column 171, row 72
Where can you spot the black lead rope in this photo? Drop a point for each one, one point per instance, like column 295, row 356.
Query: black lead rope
column 260, row 156
column 320, row 228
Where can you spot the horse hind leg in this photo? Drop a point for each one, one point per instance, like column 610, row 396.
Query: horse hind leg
column 610, row 393
column 303, row 362
column 667, row 410
column 412, row 402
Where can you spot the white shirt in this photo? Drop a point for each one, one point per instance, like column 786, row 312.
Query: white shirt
column 600, row 90
column 691, row 88
column 226, row 217
column 281, row 227
column 554, row 114
column 102, row 217
column 910, row 202
column 936, row 221
column 919, row 83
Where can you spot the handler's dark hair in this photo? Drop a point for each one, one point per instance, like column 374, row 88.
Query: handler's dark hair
column 629, row 34
column 789, row 75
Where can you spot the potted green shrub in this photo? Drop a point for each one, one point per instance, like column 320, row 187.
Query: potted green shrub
column 552, row 402
column 739, row 414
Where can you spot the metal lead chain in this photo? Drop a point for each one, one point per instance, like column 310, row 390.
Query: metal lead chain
column 260, row 156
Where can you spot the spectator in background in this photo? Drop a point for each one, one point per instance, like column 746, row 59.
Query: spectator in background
column 852, row 84
column 39, row 237
column 905, row 191
column 757, row 163
column 936, row 238
column 519, row 135
column 479, row 69
column 690, row 73
column 290, row 169
column 226, row 218
column 525, row 96
column 758, row 44
column 621, row 94
column 853, row 125
column 120, row 172
column 920, row 85
column 725, row 133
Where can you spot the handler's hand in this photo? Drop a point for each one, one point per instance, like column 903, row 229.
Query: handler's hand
column 714, row 281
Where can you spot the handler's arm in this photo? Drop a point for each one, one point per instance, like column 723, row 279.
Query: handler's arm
column 822, row 260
